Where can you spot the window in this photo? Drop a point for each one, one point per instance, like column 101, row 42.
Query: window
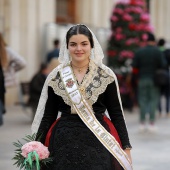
column 65, row 11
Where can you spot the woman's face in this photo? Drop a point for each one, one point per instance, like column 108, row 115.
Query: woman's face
column 79, row 48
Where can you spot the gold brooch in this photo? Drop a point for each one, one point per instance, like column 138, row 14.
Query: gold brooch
column 82, row 89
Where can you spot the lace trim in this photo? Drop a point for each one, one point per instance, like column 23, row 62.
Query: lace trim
column 95, row 81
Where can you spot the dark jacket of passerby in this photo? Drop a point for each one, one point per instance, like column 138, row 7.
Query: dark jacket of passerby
column 165, row 88
column 55, row 52
column 2, row 93
column 147, row 60
column 36, row 85
column 2, row 86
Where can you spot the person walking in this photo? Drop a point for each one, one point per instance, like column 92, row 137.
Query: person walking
column 2, row 87
column 164, row 89
column 10, row 62
column 55, row 52
column 82, row 88
column 14, row 63
column 35, row 87
column 3, row 64
column 147, row 61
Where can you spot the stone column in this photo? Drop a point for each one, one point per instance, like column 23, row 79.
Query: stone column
column 95, row 13
column 159, row 11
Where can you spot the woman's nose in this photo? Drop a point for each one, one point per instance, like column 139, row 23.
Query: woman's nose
column 78, row 47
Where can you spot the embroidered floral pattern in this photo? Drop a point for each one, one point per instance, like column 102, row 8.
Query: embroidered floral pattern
column 95, row 81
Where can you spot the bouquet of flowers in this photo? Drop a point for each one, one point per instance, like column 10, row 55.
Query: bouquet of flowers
column 31, row 155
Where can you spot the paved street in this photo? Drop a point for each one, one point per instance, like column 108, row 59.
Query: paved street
column 150, row 151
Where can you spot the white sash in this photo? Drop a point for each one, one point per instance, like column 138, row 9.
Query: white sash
column 85, row 112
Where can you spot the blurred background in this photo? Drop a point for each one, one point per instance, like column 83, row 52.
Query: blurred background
column 30, row 26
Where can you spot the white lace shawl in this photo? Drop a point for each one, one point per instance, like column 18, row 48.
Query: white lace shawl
column 97, row 56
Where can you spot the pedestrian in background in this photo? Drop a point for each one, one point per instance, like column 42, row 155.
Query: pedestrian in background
column 2, row 91
column 82, row 88
column 164, row 89
column 3, row 64
column 35, row 87
column 10, row 62
column 53, row 64
column 55, row 52
column 147, row 61
column 14, row 63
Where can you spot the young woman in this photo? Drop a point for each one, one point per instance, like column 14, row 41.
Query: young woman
column 82, row 89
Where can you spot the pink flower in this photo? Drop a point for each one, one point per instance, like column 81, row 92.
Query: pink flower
column 118, row 29
column 141, row 27
column 131, row 41
column 119, row 36
column 140, row 2
column 114, row 18
column 144, row 36
column 124, row 1
column 118, row 11
column 144, row 17
column 41, row 150
column 137, row 10
column 149, row 28
column 127, row 17
column 126, row 54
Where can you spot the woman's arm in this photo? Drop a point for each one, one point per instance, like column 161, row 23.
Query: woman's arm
column 50, row 114
column 113, row 105
column 15, row 59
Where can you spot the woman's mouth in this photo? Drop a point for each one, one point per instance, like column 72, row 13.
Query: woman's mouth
column 79, row 54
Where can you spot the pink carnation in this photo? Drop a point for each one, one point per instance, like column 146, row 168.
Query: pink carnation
column 41, row 150
column 127, row 17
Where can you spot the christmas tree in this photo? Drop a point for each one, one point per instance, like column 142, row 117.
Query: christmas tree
column 129, row 24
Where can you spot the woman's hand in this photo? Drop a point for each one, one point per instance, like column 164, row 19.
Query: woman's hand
column 127, row 151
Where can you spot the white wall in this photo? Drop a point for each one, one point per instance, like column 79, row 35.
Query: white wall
column 95, row 12
column 160, row 18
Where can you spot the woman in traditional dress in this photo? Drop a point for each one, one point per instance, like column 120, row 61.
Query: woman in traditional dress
column 82, row 89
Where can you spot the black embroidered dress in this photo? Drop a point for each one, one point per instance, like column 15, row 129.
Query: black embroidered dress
column 72, row 145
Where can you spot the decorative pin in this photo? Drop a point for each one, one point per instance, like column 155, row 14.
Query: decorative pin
column 69, row 83
column 82, row 89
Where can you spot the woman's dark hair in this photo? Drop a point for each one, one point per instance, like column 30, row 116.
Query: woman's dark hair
column 79, row 29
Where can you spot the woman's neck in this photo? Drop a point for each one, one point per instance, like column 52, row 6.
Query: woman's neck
column 80, row 64
column 80, row 67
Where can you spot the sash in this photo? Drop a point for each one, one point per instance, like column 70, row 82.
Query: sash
column 85, row 112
